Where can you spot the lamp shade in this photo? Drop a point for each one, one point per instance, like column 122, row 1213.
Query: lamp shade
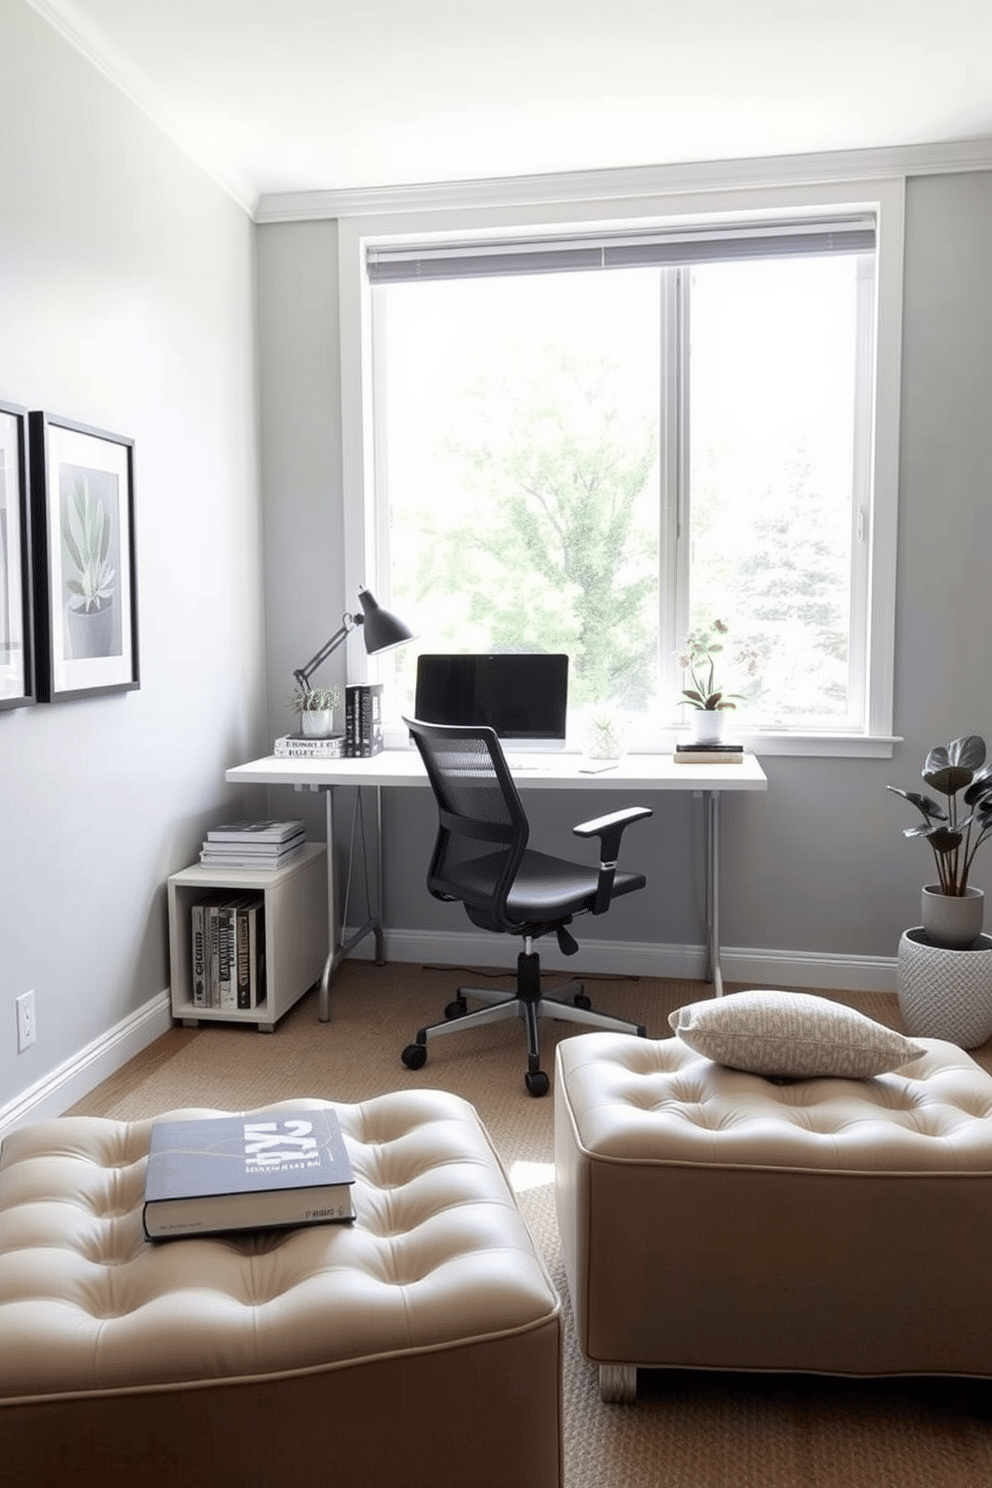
column 380, row 628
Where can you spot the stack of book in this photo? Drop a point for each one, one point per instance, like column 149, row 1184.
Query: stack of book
column 302, row 746
column 227, row 936
column 709, row 754
column 253, row 844
column 363, row 720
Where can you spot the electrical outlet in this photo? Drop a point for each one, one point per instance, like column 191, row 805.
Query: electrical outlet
column 27, row 1030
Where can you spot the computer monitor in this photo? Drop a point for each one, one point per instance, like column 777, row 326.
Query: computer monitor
column 522, row 695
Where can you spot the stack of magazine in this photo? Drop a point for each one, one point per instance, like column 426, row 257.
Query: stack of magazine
column 253, row 844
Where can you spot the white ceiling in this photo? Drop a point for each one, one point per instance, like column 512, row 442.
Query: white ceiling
column 301, row 95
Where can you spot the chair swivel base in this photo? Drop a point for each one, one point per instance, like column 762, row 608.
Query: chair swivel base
column 525, row 1003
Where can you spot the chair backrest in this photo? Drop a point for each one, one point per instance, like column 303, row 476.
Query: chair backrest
column 482, row 826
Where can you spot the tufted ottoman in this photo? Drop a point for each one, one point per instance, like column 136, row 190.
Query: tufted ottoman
column 715, row 1219
column 420, row 1345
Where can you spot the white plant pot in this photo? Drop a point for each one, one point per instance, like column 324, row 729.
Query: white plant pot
column 706, row 725
column 951, row 920
column 943, row 993
column 317, row 723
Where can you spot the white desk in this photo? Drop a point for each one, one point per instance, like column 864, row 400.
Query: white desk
column 637, row 775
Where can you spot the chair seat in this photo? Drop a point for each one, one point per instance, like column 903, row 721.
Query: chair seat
column 545, row 888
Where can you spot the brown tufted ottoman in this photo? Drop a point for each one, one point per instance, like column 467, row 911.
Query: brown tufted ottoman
column 714, row 1219
column 399, row 1350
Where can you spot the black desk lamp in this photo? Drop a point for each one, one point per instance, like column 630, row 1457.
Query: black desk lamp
column 381, row 631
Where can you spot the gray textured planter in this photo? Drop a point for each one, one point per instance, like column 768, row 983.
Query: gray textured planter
column 944, row 993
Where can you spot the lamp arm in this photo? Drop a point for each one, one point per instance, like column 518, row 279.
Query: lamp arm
column 304, row 673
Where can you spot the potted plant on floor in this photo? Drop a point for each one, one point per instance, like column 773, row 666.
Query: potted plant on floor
column 314, row 706
column 944, row 966
column 952, row 909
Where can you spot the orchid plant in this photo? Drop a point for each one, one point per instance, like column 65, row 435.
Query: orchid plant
column 954, row 835
column 698, row 657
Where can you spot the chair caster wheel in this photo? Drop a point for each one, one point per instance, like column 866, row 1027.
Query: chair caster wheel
column 537, row 1082
column 581, row 1000
column 414, row 1056
column 456, row 1009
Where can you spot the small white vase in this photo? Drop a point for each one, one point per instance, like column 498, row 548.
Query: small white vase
column 317, row 723
column 952, row 920
column 706, row 725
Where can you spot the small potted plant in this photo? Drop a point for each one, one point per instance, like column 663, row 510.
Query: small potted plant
column 315, row 707
column 605, row 733
column 708, row 701
column 952, row 909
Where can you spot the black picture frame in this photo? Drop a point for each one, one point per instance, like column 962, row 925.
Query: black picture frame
column 85, row 570
column 17, row 683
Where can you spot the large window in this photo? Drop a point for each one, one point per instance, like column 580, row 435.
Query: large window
column 597, row 443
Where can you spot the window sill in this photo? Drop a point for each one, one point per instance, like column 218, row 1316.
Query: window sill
column 797, row 745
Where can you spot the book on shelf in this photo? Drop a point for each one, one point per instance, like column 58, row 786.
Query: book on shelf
column 227, row 960
column 256, row 831
column 202, row 935
column 363, row 735
column 708, row 754
column 301, row 746
column 251, row 955
column 228, row 1173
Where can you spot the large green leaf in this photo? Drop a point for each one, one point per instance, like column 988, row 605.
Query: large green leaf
column 980, row 788
column 951, row 767
column 926, row 804
column 943, row 840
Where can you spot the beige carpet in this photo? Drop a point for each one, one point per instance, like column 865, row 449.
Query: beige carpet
column 688, row 1429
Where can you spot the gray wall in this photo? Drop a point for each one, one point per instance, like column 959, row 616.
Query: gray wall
column 818, row 866
column 126, row 302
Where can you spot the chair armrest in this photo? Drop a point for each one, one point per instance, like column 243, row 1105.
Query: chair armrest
column 609, row 829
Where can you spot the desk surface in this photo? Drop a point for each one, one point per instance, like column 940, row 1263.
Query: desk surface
column 400, row 767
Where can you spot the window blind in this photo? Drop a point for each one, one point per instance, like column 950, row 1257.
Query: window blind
column 398, row 262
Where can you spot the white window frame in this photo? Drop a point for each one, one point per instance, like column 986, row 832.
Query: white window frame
column 366, row 529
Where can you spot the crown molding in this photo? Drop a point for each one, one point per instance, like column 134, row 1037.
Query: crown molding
column 106, row 60
column 630, row 182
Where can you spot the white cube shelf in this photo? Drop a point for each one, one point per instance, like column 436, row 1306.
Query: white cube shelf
column 296, row 935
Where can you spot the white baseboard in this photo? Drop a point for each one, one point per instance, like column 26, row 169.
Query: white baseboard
column 624, row 958
column 77, row 1076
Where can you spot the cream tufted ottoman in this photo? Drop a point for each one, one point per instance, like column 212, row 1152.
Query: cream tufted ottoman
column 714, row 1219
column 420, row 1345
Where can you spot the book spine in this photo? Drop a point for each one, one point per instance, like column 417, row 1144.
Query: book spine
column 213, row 943
column 199, row 968
column 227, row 989
column 316, row 750
column 244, row 979
column 351, row 706
column 256, row 955
column 251, row 988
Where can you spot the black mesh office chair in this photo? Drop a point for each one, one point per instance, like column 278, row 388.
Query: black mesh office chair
column 481, row 859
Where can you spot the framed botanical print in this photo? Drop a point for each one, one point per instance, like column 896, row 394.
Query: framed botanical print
column 82, row 483
column 16, row 658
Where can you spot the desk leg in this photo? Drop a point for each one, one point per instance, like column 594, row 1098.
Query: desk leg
column 373, row 925
column 711, row 804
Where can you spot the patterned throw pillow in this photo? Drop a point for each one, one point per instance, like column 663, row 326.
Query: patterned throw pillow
column 791, row 1034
